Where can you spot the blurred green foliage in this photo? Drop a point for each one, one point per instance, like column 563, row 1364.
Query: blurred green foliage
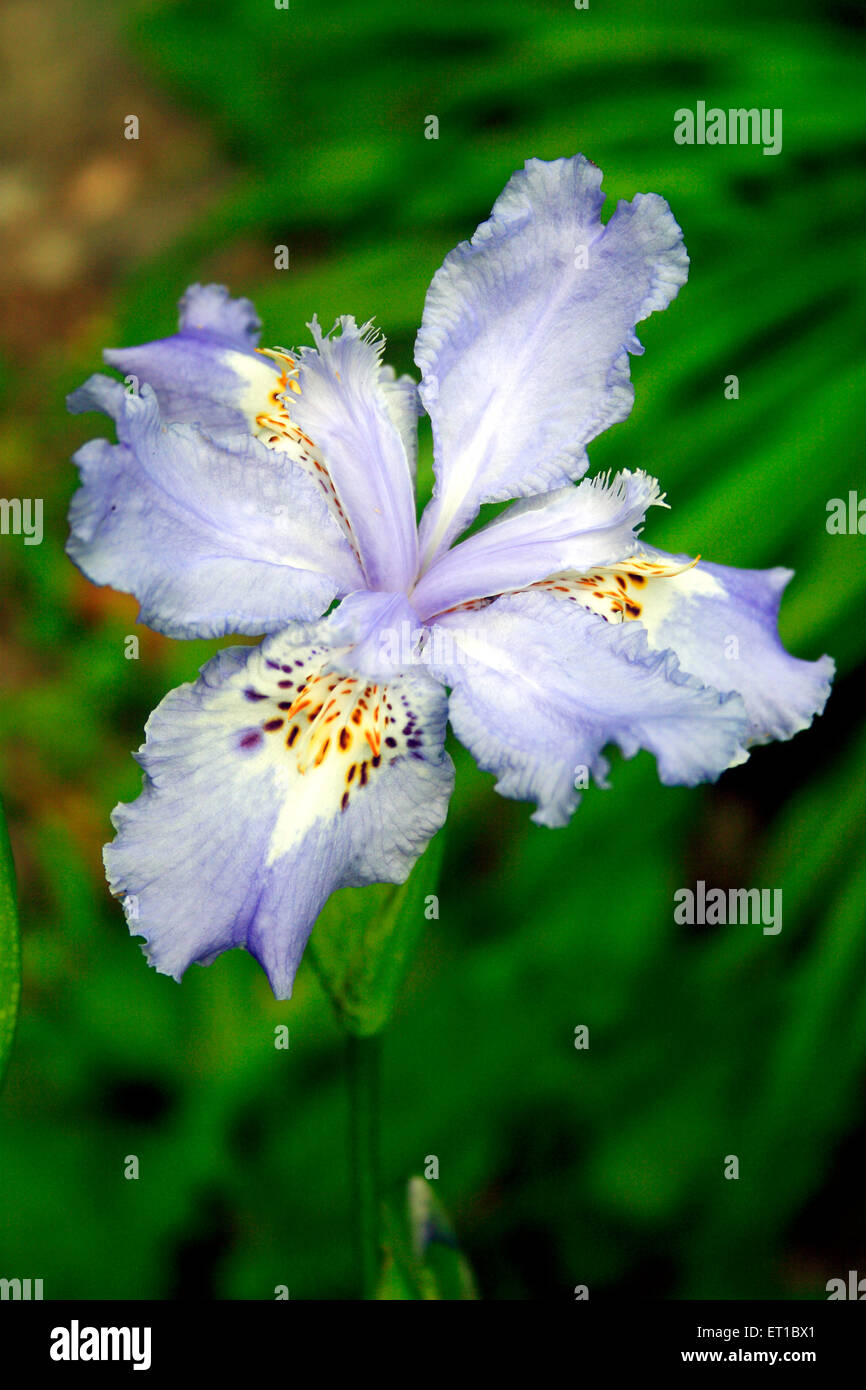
column 10, row 948
column 558, row 1166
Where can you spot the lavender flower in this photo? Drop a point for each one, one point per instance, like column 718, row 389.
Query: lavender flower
column 248, row 491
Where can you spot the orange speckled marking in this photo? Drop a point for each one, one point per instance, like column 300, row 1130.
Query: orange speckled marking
column 275, row 427
column 612, row 590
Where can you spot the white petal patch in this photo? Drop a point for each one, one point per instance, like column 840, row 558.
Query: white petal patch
column 682, row 583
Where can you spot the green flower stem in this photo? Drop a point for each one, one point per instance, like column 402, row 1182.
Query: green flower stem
column 361, row 947
column 364, row 1058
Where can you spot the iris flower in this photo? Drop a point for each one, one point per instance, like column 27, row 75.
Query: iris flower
column 272, row 493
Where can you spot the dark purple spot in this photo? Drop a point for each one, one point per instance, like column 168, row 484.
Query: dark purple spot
column 345, row 801
column 410, row 742
column 251, row 739
column 271, row 725
column 285, row 685
column 254, row 694
column 390, row 742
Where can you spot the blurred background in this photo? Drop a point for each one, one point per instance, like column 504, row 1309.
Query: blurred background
column 261, row 126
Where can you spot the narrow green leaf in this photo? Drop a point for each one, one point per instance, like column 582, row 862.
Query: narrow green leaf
column 394, row 1285
column 364, row 939
column 10, row 950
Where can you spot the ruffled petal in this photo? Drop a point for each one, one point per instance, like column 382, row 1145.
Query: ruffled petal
column 569, row 528
column 343, row 415
column 208, row 311
column 524, row 342
column 210, row 536
column 722, row 624
column 275, row 779
column 358, row 415
column 404, row 406
column 540, row 687
column 208, row 373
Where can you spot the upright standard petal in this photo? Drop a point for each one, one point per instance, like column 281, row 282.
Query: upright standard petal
column 524, row 342
column 570, row 528
column 358, row 415
column 540, row 687
column 211, row 537
column 278, row 777
column 722, row 624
